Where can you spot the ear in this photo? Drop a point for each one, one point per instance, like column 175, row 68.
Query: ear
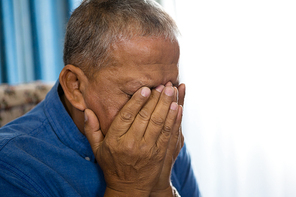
column 73, row 82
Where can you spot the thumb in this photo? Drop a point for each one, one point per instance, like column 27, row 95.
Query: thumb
column 92, row 129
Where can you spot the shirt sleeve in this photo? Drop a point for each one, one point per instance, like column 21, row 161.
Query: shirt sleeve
column 183, row 176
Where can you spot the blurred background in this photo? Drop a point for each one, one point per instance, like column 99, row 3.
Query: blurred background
column 238, row 60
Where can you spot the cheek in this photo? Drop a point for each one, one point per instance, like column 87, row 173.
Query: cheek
column 106, row 118
column 106, row 110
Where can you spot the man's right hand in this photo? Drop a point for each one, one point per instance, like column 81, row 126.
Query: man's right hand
column 132, row 153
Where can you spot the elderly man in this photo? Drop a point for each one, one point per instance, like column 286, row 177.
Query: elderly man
column 111, row 124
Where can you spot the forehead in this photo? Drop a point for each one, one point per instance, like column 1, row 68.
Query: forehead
column 146, row 50
column 143, row 61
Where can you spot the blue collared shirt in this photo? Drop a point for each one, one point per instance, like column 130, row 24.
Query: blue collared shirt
column 44, row 154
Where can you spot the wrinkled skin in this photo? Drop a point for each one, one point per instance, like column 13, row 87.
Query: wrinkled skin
column 133, row 115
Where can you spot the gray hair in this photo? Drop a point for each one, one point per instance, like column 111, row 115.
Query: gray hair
column 97, row 24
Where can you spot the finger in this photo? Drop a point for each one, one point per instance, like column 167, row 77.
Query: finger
column 127, row 114
column 139, row 126
column 177, row 136
column 92, row 129
column 176, row 90
column 168, row 127
column 175, row 132
column 159, row 115
column 176, row 94
column 181, row 137
column 174, row 142
column 181, row 96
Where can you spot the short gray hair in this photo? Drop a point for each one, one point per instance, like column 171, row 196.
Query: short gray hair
column 97, row 24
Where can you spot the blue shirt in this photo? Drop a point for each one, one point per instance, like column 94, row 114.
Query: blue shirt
column 44, row 154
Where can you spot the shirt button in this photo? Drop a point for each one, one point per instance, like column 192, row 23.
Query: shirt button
column 87, row 158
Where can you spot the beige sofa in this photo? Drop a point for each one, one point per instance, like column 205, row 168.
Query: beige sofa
column 17, row 100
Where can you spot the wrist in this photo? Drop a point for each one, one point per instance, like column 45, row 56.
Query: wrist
column 110, row 192
column 169, row 192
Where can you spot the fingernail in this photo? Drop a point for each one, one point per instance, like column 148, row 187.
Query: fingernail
column 159, row 88
column 85, row 116
column 145, row 92
column 174, row 106
column 169, row 91
column 169, row 84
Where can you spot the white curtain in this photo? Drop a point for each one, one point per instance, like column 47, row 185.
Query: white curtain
column 238, row 60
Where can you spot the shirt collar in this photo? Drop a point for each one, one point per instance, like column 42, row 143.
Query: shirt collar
column 63, row 125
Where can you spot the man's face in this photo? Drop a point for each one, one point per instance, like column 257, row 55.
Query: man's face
column 138, row 62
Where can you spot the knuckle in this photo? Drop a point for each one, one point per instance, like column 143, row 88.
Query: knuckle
column 167, row 128
column 164, row 138
column 129, row 148
column 157, row 120
column 144, row 114
column 166, row 135
column 177, row 133
column 126, row 116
